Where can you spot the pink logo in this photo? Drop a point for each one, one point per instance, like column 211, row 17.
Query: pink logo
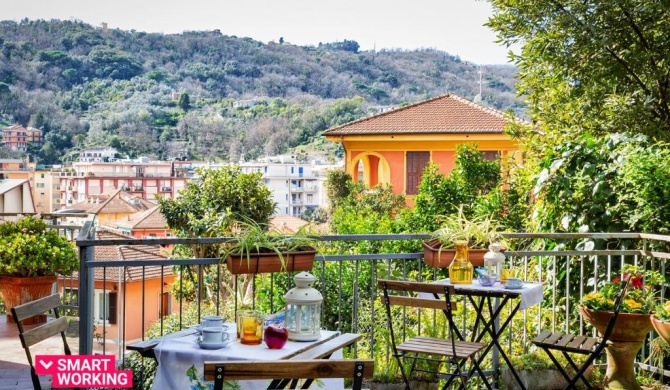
column 83, row 371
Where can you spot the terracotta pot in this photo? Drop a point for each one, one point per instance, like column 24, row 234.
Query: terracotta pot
column 630, row 331
column 662, row 328
column 437, row 258
column 628, row 326
column 16, row 291
column 259, row 263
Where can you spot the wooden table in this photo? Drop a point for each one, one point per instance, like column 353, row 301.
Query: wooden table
column 178, row 353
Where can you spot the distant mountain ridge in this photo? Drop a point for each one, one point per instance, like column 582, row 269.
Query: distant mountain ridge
column 208, row 95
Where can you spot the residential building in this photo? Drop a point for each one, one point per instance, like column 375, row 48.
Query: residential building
column 296, row 186
column 99, row 154
column 141, row 178
column 128, row 298
column 143, row 224
column 111, row 206
column 14, row 168
column 395, row 146
column 18, row 137
column 45, row 185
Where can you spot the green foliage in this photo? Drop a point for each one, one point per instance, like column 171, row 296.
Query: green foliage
column 603, row 184
column 210, row 202
column 472, row 178
column 337, row 186
column 122, row 83
column 29, row 248
column 589, row 66
column 478, row 231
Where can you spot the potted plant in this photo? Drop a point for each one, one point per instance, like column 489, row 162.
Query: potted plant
column 260, row 249
column 479, row 232
column 661, row 321
column 31, row 255
column 632, row 325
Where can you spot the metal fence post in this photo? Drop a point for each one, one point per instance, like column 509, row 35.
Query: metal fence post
column 86, row 289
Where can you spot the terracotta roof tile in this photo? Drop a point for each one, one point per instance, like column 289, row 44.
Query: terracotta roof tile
column 114, row 203
column 127, row 252
column 148, row 219
column 442, row 115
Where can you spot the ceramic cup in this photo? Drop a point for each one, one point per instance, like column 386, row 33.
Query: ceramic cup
column 214, row 335
column 212, row 321
column 514, row 282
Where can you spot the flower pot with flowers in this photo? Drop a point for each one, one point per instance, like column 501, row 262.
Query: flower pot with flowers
column 31, row 255
column 632, row 324
column 661, row 320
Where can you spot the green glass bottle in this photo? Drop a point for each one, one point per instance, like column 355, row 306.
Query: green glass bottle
column 461, row 270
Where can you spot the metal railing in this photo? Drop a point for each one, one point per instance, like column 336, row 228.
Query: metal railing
column 567, row 274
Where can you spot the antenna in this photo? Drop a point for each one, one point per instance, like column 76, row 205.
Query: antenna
column 478, row 98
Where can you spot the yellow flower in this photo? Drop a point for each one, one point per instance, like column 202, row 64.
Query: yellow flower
column 595, row 295
column 667, row 306
column 632, row 304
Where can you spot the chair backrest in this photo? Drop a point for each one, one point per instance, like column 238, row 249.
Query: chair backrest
column 618, row 302
column 42, row 332
column 289, row 369
column 436, row 289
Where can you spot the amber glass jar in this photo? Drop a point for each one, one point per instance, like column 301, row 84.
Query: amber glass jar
column 461, row 270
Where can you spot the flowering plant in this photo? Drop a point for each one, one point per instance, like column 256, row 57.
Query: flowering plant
column 29, row 248
column 639, row 297
column 663, row 312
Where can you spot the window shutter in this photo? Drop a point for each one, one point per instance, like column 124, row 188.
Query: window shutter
column 112, row 307
column 416, row 162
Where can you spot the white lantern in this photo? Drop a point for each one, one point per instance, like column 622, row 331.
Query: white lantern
column 303, row 309
column 493, row 260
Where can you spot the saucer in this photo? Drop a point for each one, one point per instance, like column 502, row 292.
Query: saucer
column 212, row 345
column 507, row 286
column 198, row 328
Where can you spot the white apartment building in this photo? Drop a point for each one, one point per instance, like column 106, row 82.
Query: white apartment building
column 296, row 187
column 99, row 154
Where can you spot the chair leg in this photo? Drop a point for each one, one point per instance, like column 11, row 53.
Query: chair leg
column 579, row 371
column 35, row 379
column 402, row 372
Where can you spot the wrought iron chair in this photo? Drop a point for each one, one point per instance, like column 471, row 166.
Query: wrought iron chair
column 453, row 350
column 294, row 369
column 579, row 344
column 40, row 333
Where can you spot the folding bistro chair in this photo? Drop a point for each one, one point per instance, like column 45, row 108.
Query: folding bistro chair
column 453, row 350
column 40, row 333
column 591, row 346
column 292, row 369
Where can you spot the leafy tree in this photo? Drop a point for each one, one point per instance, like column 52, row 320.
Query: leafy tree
column 590, row 66
column 211, row 200
column 184, row 101
column 207, row 207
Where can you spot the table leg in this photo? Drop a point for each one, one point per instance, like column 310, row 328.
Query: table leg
column 621, row 365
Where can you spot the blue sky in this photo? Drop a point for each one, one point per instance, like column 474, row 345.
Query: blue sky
column 454, row 26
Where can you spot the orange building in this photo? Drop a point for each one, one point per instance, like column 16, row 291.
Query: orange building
column 133, row 296
column 112, row 206
column 18, row 137
column 395, row 146
column 143, row 224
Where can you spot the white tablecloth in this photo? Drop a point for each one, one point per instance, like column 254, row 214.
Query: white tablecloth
column 177, row 355
column 531, row 293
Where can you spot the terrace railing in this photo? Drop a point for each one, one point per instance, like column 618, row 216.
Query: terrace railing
column 348, row 283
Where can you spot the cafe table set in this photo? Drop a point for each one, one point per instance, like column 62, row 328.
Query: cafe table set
column 181, row 359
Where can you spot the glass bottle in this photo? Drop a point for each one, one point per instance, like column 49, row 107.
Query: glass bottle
column 461, row 270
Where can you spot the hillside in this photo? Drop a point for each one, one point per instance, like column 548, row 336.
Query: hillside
column 208, row 95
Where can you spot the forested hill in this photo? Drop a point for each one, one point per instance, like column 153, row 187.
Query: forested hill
column 210, row 95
